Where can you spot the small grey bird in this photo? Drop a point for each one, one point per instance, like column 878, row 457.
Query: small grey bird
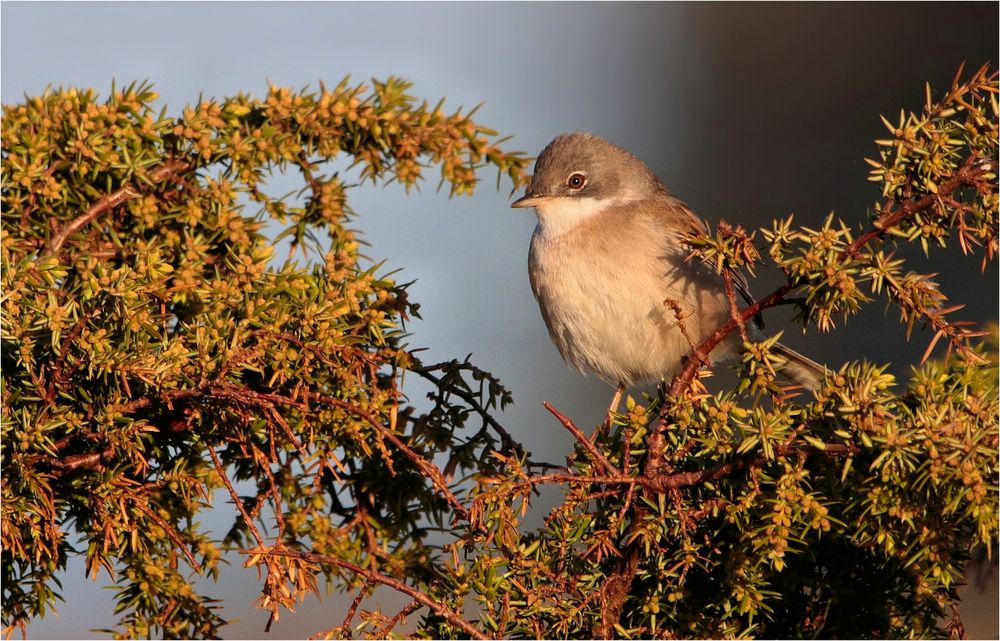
column 607, row 262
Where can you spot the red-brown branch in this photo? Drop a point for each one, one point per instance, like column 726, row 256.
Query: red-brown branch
column 678, row 480
column 351, row 611
column 700, row 353
column 410, row 608
column 428, row 468
column 170, row 531
column 583, row 440
column 967, row 174
column 236, row 497
column 377, row 577
column 93, row 461
column 168, row 170
column 734, row 312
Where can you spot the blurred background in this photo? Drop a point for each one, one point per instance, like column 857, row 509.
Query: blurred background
column 747, row 111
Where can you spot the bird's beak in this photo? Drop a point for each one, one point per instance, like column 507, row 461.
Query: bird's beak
column 529, row 201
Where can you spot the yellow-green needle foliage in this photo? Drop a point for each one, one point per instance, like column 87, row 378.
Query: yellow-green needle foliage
column 154, row 353
column 153, row 356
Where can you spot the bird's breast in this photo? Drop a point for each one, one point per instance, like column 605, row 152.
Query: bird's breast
column 603, row 299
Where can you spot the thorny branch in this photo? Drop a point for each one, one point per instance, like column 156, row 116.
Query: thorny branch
column 236, row 497
column 428, row 468
column 969, row 174
column 171, row 532
column 409, row 609
column 583, row 440
column 345, row 625
column 617, row 586
column 507, row 442
column 166, row 171
column 377, row 577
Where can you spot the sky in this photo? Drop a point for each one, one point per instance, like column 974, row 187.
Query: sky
column 748, row 112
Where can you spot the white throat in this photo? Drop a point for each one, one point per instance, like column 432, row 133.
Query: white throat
column 561, row 215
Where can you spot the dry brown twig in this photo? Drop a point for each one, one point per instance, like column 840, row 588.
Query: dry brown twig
column 583, row 440
column 376, row 577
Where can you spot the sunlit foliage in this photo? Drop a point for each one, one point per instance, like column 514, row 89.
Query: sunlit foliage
column 154, row 353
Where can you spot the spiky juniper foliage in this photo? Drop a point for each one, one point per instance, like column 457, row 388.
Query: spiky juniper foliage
column 154, row 353
column 759, row 511
column 756, row 511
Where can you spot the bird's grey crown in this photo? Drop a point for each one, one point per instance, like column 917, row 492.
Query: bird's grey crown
column 611, row 171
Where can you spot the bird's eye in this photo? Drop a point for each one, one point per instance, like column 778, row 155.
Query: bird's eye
column 576, row 181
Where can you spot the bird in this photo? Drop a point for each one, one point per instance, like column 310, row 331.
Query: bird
column 611, row 272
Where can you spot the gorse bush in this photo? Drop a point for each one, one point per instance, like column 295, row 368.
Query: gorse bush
column 155, row 354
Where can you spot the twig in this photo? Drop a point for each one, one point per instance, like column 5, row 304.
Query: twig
column 428, row 468
column 306, row 167
column 678, row 480
column 112, row 200
column 582, row 438
column 410, row 608
column 507, row 441
column 680, row 316
column 377, row 577
column 236, row 497
column 734, row 312
column 967, row 174
column 171, row 532
column 264, row 465
column 346, row 623
column 954, row 623
column 700, row 354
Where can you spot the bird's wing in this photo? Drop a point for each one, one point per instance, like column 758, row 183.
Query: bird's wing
column 690, row 222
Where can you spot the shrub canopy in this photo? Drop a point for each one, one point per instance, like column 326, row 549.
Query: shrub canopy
column 155, row 352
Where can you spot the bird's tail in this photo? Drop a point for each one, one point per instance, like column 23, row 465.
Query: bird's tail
column 804, row 371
